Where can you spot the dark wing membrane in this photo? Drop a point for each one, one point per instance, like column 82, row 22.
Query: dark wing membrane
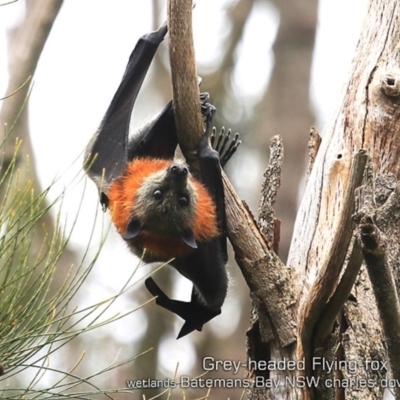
column 109, row 147
column 195, row 313
column 158, row 139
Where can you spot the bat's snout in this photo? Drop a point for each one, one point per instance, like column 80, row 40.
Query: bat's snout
column 178, row 171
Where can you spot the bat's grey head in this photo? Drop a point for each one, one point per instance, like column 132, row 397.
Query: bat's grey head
column 166, row 201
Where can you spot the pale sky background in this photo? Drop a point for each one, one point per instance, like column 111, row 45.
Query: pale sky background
column 80, row 70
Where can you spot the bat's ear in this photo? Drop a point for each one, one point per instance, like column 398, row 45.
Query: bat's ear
column 188, row 238
column 104, row 201
column 133, row 229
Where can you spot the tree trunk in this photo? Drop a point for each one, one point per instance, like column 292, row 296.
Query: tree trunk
column 322, row 248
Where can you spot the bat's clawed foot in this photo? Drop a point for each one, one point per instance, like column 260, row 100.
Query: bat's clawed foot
column 209, row 111
column 206, row 108
column 225, row 144
column 204, row 97
column 194, row 313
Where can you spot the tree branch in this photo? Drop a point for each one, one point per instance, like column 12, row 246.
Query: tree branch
column 340, row 296
column 375, row 254
column 269, row 192
column 314, row 303
column 265, row 274
column 185, row 88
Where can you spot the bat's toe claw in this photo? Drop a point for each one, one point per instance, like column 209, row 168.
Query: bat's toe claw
column 204, row 97
column 208, row 111
column 225, row 145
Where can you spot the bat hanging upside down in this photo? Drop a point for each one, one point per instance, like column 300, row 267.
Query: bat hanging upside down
column 157, row 206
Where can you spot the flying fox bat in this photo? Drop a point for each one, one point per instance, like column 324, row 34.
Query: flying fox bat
column 156, row 205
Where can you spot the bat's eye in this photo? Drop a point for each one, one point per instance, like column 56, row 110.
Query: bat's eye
column 158, row 194
column 183, row 201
